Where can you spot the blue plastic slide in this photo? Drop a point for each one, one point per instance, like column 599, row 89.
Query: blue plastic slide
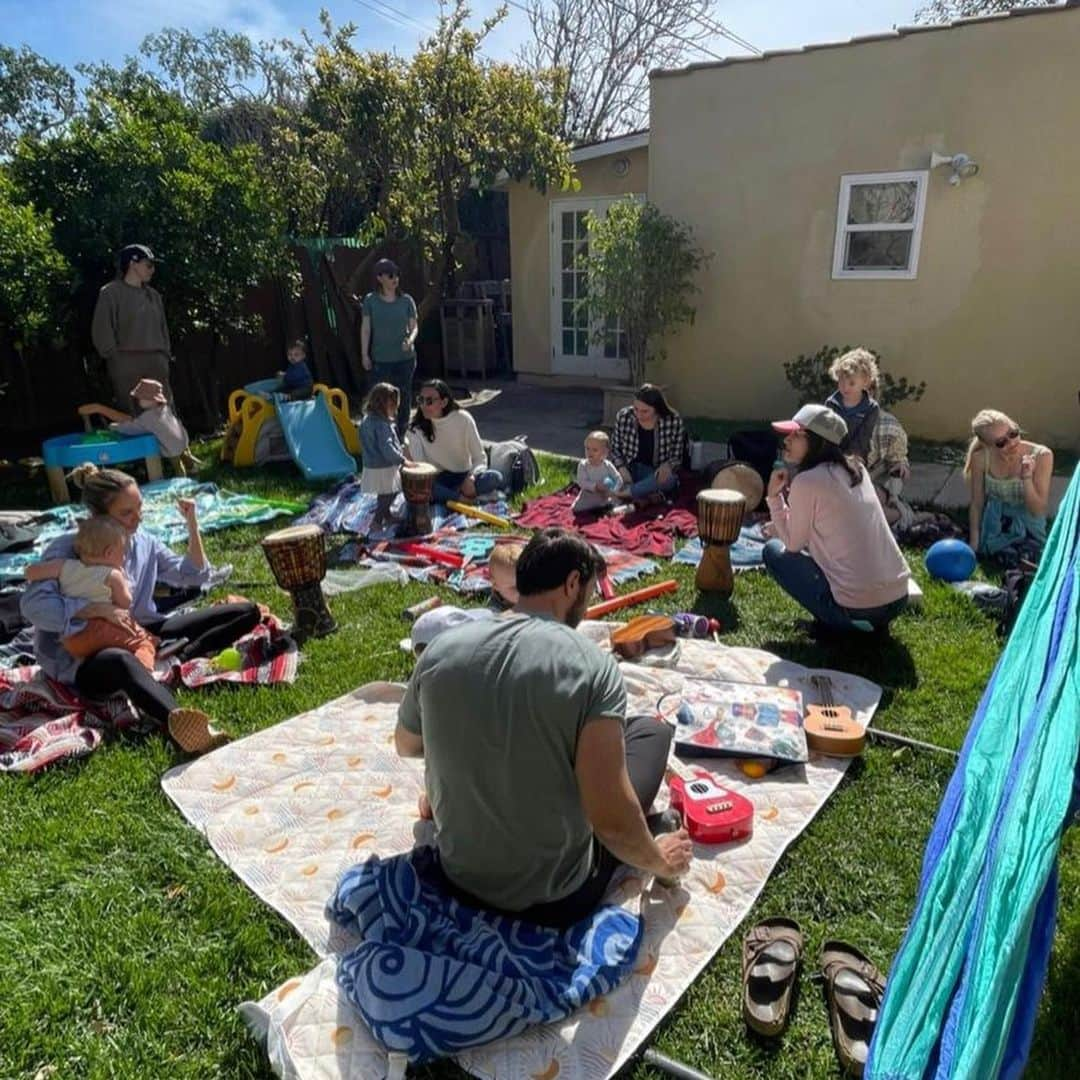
column 313, row 438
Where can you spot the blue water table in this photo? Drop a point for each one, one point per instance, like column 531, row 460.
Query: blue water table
column 102, row 448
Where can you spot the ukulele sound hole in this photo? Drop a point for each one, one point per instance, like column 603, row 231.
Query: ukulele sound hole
column 699, row 788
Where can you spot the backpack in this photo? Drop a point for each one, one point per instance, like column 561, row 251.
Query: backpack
column 516, row 462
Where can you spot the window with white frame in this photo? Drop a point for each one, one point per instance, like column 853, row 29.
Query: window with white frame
column 879, row 225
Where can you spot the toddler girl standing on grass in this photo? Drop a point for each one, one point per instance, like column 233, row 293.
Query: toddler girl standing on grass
column 381, row 450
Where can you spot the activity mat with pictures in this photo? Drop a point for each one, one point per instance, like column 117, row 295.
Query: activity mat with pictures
column 290, row 808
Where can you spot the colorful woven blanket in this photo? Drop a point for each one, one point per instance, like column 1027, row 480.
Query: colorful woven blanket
column 43, row 721
column 432, row 977
column 472, row 578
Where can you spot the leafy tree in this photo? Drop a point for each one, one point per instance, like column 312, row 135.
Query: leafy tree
column 942, row 11
column 36, row 95
column 32, row 272
column 606, row 48
column 641, row 267
column 810, row 379
column 420, row 133
column 136, row 169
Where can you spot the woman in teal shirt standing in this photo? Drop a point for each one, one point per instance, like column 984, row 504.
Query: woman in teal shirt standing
column 388, row 335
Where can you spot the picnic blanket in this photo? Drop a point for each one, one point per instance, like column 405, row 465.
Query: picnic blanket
column 745, row 552
column 473, row 579
column 431, row 977
column 291, row 808
column 650, row 531
column 346, row 509
column 218, row 509
column 43, row 721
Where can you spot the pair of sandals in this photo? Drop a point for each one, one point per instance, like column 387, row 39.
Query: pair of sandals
column 854, row 987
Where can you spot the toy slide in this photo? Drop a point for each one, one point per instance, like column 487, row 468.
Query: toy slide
column 313, row 439
column 320, row 438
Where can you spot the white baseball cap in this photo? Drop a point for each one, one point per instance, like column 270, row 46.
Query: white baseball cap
column 432, row 623
column 819, row 419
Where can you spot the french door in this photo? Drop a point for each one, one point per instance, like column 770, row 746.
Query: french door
column 575, row 349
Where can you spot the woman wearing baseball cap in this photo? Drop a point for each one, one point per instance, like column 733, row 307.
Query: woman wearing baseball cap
column 831, row 549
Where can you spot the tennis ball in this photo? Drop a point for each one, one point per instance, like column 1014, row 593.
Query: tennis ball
column 229, row 660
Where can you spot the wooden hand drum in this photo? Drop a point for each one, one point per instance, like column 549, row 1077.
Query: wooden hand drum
column 720, row 517
column 417, row 483
column 297, row 557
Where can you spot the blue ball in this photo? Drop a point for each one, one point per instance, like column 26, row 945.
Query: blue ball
column 950, row 560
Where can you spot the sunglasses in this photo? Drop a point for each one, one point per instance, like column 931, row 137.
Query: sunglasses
column 1012, row 433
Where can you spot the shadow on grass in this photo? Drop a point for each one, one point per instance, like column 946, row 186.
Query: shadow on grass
column 882, row 659
column 719, row 607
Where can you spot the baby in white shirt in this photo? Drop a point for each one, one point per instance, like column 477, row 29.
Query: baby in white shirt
column 597, row 477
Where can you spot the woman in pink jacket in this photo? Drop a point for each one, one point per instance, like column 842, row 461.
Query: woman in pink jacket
column 831, row 547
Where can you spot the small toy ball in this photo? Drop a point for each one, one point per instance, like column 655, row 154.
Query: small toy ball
column 754, row 769
column 950, row 560
column 229, row 660
column 610, row 483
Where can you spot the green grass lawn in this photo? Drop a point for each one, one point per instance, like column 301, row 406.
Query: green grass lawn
column 127, row 944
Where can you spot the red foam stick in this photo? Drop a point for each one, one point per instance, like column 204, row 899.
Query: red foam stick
column 447, row 558
column 638, row 596
column 607, row 590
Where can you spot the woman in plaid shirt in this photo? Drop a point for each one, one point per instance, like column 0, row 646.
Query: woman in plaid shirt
column 648, row 445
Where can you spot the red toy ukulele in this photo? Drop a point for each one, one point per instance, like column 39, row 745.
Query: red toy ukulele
column 713, row 814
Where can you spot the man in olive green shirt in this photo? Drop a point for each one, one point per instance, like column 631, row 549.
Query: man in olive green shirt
column 537, row 783
column 129, row 329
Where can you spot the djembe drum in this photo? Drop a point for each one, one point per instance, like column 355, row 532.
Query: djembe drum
column 297, row 557
column 720, row 517
column 417, row 483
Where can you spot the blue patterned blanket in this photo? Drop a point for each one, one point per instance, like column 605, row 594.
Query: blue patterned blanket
column 432, row 977
column 218, row 509
column 346, row 509
column 745, row 552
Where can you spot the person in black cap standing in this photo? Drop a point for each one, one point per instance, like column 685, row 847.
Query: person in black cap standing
column 129, row 328
column 388, row 336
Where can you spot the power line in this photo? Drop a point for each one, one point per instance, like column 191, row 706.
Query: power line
column 393, row 15
column 719, row 28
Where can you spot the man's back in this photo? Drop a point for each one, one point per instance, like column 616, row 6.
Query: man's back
column 500, row 705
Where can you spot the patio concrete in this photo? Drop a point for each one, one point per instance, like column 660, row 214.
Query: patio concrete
column 555, row 419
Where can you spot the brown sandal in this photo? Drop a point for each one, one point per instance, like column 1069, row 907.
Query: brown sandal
column 192, row 731
column 642, row 633
column 772, row 951
column 853, row 989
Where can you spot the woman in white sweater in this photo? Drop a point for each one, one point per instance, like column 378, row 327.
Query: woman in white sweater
column 443, row 434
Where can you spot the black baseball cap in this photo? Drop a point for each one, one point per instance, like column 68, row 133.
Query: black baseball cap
column 137, row 253
column 386, row 266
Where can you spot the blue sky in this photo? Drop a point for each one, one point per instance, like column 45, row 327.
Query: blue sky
column 110, row 29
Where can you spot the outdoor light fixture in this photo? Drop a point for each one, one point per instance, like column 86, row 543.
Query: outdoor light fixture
column 962, row 165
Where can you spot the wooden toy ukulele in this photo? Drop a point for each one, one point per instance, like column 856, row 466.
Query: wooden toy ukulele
column 830, row 728
column 712, row 814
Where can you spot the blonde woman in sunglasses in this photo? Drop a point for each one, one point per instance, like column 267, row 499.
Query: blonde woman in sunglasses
column 1009, row 478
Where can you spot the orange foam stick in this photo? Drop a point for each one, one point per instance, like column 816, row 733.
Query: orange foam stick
column 638, row 596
